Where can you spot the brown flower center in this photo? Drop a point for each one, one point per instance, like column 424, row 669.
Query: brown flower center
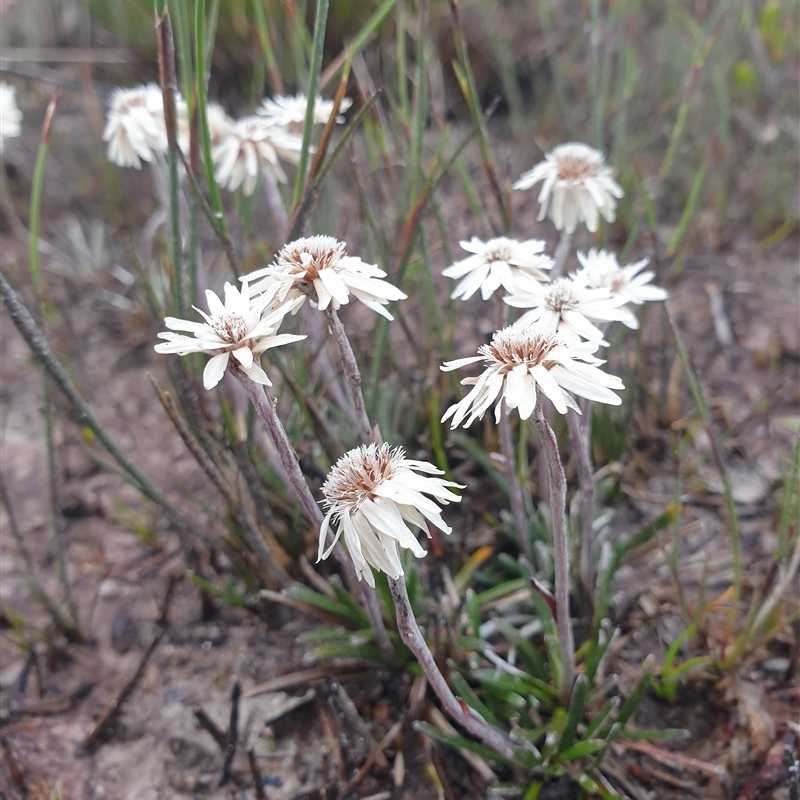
column 574, row 167
column 230, row 327
column 513, row 346
column 561, row 297
column 357, row 474
column 316, row 259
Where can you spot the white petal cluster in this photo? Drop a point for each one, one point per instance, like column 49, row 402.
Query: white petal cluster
column 290, row 112
column 373, row 493
column 601, row 270
column 10, row 115
column 252, row 148
column 522, row 360
column 495, row 263
column 318, row 267
column 566, row 306
column 240, row 327
column 577, row 187
column 220, row 125
column 135, row 127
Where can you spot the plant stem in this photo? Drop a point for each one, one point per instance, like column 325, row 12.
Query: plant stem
column 579, row 434
column 458, row 710
column 558, row 499
column 507, row 448
column 264, row 406
column 350, row 366
column 562, row 251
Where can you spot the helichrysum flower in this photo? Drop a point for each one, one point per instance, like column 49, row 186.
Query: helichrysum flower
column 498, row 262
column 601, row 270
column 220, row 124
column 320, row 268
column 251, row 148
column 135, row 127
column 567, row 306
column 522, row 360
column 290, row 112
column 373, row 494
column 240, row 327
column 10, row 115
column 579, row 184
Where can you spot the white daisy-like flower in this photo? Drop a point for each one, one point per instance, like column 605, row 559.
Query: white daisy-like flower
column 580, row 184
column 373, row 493
column 220, row 125
column 251, row 148
column 135, row 126
column 10, row 115
column 522, row 360
column 601, row 270
column 240, row 327
column 319, row 268
column 498, row 262
column 566, row 306
column 290, row 112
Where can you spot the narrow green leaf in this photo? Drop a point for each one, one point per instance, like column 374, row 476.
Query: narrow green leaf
column 459, row 742
column 577, row 704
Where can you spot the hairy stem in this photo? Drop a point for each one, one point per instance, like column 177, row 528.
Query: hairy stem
column 459, row 711
column 562, row 251
column 558, row 499
column 579, row 434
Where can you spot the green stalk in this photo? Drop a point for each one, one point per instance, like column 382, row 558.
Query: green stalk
column 179, row 13
column 317, row 46
column 202, row 104
column 266, row 47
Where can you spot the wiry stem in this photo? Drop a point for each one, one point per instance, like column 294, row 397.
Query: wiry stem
column 562, row 251
column 263, row 405
column 458, row 710
column 558, row 500
column 579, row 435
column 507, row 448
column 350, row 366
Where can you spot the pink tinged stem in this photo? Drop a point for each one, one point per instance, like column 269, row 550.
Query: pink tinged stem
column 578, row 428
column 507, row 449
column 457, row 709
column 562, row 251
column 558, row 499
column 350, row 367
column 265, row 409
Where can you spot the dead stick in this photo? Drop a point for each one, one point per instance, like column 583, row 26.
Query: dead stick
column 232, row 734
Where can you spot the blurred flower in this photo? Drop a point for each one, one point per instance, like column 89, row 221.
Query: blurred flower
column 135, row 126
column 10, row 115
column 567, row 306
column 251, row 148
column 498, row 262
column 601, row 270
column 580, row 184
column 522, row 359
column 290, row 112
column 373, row 493
column 220, row 124
column 241, row 327
column 319, row 268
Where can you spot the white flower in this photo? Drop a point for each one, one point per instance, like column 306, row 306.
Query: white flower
column 601, row 270
column 135, row 126
column 580, row 184
column 522, row 359
column 373, row 493
column 290, row 112
column 319, row 268
column 220, row 124
column 498, row 262
column 10, row 115
column 252, row 147
column 241, row 327
column 567, row 306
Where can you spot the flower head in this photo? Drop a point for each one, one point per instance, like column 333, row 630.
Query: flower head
column 135, row 127
column 10, row 115
column 601, row 270
column 251, row 148
column 373, row 493
column 498, row 262
column 522, row 360
column 220, row 125
column 320, row 268
column 290, row 112
column 242, row 327
column 580, row 184
column 567, row 306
